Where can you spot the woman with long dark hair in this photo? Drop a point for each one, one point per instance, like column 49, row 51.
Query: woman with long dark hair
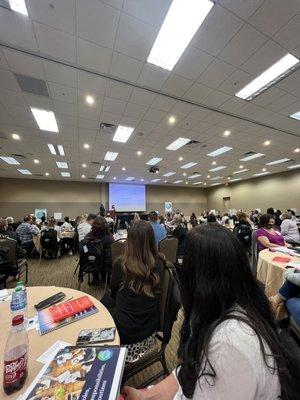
column 230, row 347
column 135, row 286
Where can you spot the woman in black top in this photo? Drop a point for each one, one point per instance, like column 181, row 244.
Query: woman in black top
column 135, row 285
column 100, row 232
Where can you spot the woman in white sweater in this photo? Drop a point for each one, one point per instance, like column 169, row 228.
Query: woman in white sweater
column 229, row 346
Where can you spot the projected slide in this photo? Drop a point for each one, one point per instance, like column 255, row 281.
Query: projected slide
column 126, row 197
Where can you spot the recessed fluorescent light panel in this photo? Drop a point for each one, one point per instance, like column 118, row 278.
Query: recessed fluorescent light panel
column 111, row 156
column 240, row 171
column 178, row 181
column 215, row 184
column 188, row 165
column 130, row 178
column 178, row 143
column 262, row 173
column 56, row 149
column 24, row 171
column 61, row 164
column 45, row 119
column 169, row 174
column 235, row 180
column 252, row 157
column 155, row 180
column 194, row 176
column 215, row 178
column 122, row 134
column 10, row 160
column 18, row 6
column 181, row 22
column 154, row 161
column 219, row 151
column 104, row 168
column 218, row 168
column 65, row 174
column 282, row 160
column 296, row 115
column 294, row 166
column 197, row 183
column 269, row 77
column 99, row 176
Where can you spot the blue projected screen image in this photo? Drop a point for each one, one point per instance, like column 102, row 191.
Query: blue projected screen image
column 127, row 197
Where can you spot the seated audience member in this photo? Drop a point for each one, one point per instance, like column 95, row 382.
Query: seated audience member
column 136, row 218
column 50, row 238
column 275, row 214
column 100, row 233
column 193, row 220
column 267, row 237
column 25, row 232
column 4, row 231
column 109, row 219
column 255, row 217
column 289, row 229
column 225, row 219
column 289, row 293
column 158, row 229
column 294, row 218
column 243, row 229
column 229, row 348
column 85, row 227
column 211, row 218
column 66, row 226
column 179, row 231
column 135, row 285
column 10, row 223
column 161, row 220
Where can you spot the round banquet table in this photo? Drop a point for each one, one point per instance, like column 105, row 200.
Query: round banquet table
column 269, row 272
column 39, row 344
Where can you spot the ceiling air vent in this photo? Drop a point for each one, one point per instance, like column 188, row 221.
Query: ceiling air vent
column 18, row 155
column 32, row 85
column 95, row 163
column 91, row 178
column 40, row 175
column 192, row 143
column 107, row 128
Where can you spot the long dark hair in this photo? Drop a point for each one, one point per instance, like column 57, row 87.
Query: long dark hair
column 99, row 228
column 139, row 259
column 216, row 276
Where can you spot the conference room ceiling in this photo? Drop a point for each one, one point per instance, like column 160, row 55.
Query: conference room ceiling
column 99, row 48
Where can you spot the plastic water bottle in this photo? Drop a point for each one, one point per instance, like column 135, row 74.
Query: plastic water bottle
column 16, row 357
column 24, row 292
column 18, row 304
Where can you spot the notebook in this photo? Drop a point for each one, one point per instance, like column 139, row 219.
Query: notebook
column 62, row 311
column 80, row 373
column 47, row 324
column 281, row 259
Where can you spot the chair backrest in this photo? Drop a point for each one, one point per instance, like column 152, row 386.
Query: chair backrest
column 49, row 239
column 117, row 249
column 254, row 253
column 164, row 297
column 9, row 246
column 168, row 246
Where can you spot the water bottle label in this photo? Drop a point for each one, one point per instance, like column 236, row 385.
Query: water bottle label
column 17, row 302
column 15, row 370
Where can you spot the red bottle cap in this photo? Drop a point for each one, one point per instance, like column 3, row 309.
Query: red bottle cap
column 17, row 320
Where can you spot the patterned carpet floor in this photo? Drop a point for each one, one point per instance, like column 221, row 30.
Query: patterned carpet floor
column 60, row 272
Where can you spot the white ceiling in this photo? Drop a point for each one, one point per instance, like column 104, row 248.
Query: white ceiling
column 237, row 41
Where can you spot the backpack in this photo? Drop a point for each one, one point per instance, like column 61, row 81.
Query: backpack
column 91, row 257
column 244, row 233
column 49, row 239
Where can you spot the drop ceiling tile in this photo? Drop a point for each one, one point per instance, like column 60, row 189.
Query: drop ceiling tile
column 244, row 9
column 63, row 107
column 152, row 13
column 154, row 115
column 142, row 97
column 8, row 81
column 17, row 30
column 110, row 118
column 58, row 73
column 92, row 56
column 192, row 63
column 125, row 67
column 134, row 38
column 55, row 43
column 59, row 14
column 216, row 73
column 197, row 93
column 97, row 22
column 273, row 15
column 217, row 30
column 263, row 58
column 232, row 105
column 163, row 103
column 176, row 85
column 236, row 52
column 282, row 102
column 113, row 105
column 267, row 97
column 135, row 110
column 288, row 35
column 63, row 93
column 11, row 97
column 216, row 98
column 91, row 84
column 38, row 101
column 153, row 76
column 235, row 82
column 118, row 90
column 24, row 64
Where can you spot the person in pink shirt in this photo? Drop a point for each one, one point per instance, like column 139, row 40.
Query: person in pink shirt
column 266, row 236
